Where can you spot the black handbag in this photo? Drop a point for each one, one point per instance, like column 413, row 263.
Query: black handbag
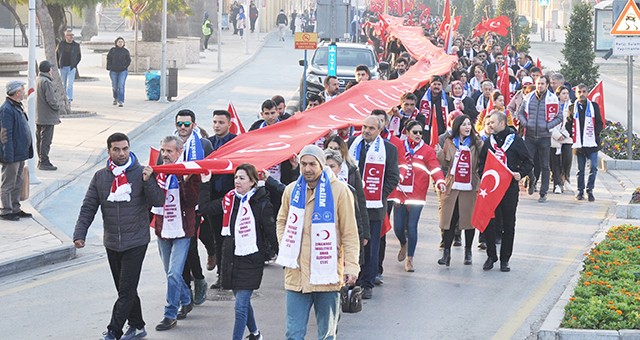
column 351, row 299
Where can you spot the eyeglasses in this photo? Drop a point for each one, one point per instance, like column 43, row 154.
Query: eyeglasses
column 181, row 124
column 416, row 132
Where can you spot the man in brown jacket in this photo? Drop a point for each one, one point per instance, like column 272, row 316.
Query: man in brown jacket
column 319, row 245
column 47, row 116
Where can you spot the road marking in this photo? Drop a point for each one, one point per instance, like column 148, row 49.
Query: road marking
column 511, row 325
column 54, row 278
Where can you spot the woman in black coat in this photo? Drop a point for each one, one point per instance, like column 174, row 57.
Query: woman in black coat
column 245, row 245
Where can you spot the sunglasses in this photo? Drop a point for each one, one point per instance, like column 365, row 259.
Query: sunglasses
column 181, row 124
column 416, row 132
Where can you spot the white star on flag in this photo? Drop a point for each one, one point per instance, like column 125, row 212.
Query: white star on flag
column 483, row 193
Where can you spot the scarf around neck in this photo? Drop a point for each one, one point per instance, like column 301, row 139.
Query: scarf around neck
column 461, row 169
column 120, row 187
column 244, row 228
column 589, row 127
column 374, row 167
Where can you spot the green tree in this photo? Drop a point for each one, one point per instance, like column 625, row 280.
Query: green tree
column 483, row 10
column 464, row 8
column 578, row 51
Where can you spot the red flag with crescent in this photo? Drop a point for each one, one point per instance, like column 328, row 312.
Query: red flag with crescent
column 503, row 82
column 499, row 25
column 493, row 185
column 446, row 19
column 597, row 96
column 236, row 124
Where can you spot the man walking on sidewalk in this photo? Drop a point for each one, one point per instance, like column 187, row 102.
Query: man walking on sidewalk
column 123, row 190
column 68, row 56
column 282, row 22
column 47, row 116
column 15, row 147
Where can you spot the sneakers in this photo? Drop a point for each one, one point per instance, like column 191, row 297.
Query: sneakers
column 24, row 214
column 47, row 167
column 211, row 262
column 567, row 185
column 115, row 102
column 184, row 310
column 10, row 217
column 134, row 333
column 120, row 104
column 108, row 335
column 379, row 281
column 590, row 196
column 367, row 293
column 166, row 324
column 542, row 199
column 200, row 291
column 558, row 189
column 255, row 336
column 580, row 196
column 402, row 254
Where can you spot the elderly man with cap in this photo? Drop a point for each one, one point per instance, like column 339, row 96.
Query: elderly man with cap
column 319, row 245
column 15, row 148
column 47, row 116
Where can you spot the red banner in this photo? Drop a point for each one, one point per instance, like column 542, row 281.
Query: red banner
column 236, row 124
column 493, row 185
column 276, row 143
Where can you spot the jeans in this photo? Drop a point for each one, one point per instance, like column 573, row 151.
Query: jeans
column 173, row 253
column 539, row 149
column 244, row 314
column 44, row 138
column 125, row 269
column 593, row 170
column 117, row 84
column 68, row 76
column 11, row 187
column 326, row 306
column 371, row 255
column 407, row 216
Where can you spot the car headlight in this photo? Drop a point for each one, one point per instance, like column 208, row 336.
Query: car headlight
column 314, row 78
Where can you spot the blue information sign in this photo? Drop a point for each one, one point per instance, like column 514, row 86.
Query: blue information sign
column 545, row 3
column 332, row 64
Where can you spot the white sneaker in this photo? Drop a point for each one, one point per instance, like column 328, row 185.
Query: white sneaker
column 557, row 190
column 567, row 186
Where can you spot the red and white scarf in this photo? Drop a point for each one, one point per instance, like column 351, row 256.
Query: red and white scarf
column 461, row 168
column 501, row 152
column 120, row 187
column 374, row 167
column 589, row 127
column 407, row 182
column 244, row 228
column 171, row 210
column 551, row 103
column 427, row 106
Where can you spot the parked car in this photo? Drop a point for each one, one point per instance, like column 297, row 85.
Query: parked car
column 349, row 56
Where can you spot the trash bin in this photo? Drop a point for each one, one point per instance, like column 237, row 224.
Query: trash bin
column 152, row 84
column 172, row 80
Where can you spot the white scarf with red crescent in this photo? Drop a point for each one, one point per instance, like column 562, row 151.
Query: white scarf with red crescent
column 461, row 169
column 551, row 103
column 324, row 244
column 171, row 210
column 589, row 127
column 406, row 184
column 426, row 106
column 501, row 152
column 373, row 172
column 245, row 238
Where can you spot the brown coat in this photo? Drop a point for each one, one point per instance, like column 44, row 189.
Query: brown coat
column 297, row 280
column 466, row 199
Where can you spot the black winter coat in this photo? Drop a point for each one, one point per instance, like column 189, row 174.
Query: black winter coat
column 118, row 59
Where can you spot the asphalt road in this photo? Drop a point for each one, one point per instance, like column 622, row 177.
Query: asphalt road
column 73, row 300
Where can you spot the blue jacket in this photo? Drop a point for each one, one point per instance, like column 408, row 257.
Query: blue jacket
column 15, row 136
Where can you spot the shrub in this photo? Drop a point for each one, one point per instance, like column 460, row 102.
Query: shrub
column 614, row 141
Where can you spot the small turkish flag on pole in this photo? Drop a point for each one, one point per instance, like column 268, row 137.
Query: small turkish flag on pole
column 433, row 141
column 493, row 185
column 597, row 96
column 154, row 154
column 236, row 125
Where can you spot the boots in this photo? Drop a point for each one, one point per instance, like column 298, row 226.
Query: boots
column 402, row 254
column 408, row 265
column 467, row 256
column 446, row 258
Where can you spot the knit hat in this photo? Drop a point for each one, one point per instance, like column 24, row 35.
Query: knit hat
column 13, row 86
column 527, row 80
column 314, row 151
column 45, row 66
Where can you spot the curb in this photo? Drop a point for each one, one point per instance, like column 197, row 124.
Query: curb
column 67, row 250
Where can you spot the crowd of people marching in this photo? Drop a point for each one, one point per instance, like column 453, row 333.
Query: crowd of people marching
column 324, row 213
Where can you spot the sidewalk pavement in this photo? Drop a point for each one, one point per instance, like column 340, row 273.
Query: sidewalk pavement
column 79, row 143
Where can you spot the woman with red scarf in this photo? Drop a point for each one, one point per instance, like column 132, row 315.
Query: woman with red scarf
column 421, row 163
column 460, row 155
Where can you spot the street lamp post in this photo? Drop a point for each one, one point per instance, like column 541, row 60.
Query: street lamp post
column 31, row 93
column 219, row 35
column 163, row 65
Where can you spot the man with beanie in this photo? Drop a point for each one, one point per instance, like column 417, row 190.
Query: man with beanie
column 15, row 148
column 319, row 245
column 47, row 116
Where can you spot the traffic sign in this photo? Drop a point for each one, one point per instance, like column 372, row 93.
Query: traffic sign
column 626, row 45
column 544, row 3
column 332, row 63
column 628, row 22
column 305, row 41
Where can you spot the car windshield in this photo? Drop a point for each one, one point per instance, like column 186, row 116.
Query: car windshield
column 347, row 56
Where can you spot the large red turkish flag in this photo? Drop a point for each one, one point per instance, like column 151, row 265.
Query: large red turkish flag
column 597, row 96
column 494, row 183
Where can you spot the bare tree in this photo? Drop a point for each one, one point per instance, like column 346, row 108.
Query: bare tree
column 90, row 23
column 9, row 5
